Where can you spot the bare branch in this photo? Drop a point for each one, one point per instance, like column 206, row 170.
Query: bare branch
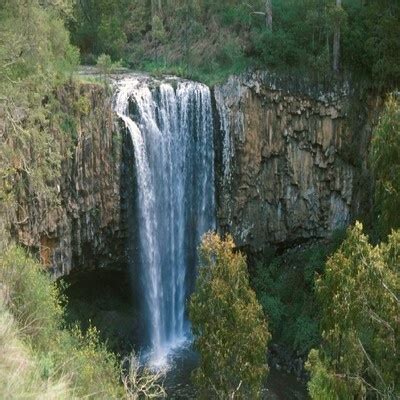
column 140, row 382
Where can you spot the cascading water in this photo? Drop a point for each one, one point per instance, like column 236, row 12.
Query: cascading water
column 171, row 127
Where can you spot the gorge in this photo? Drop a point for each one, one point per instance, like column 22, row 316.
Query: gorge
column 265, row 159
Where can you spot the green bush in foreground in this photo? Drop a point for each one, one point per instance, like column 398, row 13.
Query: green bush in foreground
column 230, row 332
column 41, row 358
column 385, row 157
column 60, row 354
column 20, row 376
column 359, row 294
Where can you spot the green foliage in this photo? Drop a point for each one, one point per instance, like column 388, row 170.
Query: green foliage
column 230, row 332
column 370, row 45
column 42, row 357
column 359, row 297
column 285, row 289
column 35, row 303
column 323, row 385
column 104, row 63
column 82, row 105
column 35, row 56
column 210, row 75
column 97, row 27
column 207, row 36
column 22, row 375
column 158, row 31
column 106, row 66
column 95, row 369
column 385, row 156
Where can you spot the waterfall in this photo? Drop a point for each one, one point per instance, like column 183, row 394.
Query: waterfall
column 171, row 127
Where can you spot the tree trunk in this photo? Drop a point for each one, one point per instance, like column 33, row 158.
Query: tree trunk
column 336, row 42
column 155, row 7
column 268, row 14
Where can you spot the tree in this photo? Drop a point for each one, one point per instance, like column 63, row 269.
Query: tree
column 385, row 157
column 158, row 31
column 62, row 7
column 156, row 7
column 382, row 44
column 105, row 65
column 360, row 325
column 268, row 14
column 230, row 332
column 336, row 39
column 100, row 26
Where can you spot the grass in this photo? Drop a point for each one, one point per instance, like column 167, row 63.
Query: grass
column 65, row 363
column 20, row 369
column 208, row 72
column 209, row 76
column 89, row 79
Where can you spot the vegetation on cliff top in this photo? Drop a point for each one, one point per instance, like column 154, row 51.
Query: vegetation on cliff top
column 207, row 39
column 35, row 56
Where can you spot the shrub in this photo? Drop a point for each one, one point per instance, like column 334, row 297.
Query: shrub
column 385, row 156
column 359, row 297
column 229, row 328
column 34, row 300
column 35, row 303
column 105, row 65
column 20, row 370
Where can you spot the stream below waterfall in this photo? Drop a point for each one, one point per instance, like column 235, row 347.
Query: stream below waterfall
column 279, row 386
column 115, row 316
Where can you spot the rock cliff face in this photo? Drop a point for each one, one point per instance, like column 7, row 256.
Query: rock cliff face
column 85, row 229
column 290, row 167
column 292, row 160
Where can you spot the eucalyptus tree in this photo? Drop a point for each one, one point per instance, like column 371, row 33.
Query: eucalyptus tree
column 267, row 13
column 336, row 38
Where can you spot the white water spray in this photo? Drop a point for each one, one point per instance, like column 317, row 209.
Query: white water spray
column 172, row 136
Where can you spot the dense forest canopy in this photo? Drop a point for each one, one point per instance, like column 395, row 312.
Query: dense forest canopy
column 201, row 36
